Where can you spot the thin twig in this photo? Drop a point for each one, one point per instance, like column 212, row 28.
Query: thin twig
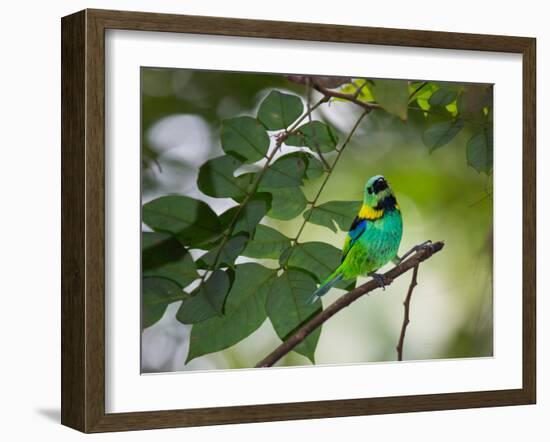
column 424, row 83
column 235, row 217
column 348, row 97
column 313, row 131
column 406, row 308
column 329, row 174
column 480, row 200
column 360, row 88
column 327, row 93
column 229, row 231
column 421, row 255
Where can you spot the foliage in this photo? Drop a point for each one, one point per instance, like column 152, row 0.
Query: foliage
column 445, row 108
column 225, row 297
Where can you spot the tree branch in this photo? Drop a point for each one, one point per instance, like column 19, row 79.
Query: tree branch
column 348, row 97
column 329, row 174
column 310, row 120
column 360, row 88
column 421, row 255
column 424, row 83
column 229, row 231
column 406, row 307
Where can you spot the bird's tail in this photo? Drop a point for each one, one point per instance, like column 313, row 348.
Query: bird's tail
column 326, row 285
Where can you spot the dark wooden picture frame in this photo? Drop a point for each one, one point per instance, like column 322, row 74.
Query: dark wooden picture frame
column 83, row 220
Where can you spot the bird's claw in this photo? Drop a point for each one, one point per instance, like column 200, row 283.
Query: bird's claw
column 398, row 260
column 379, row 279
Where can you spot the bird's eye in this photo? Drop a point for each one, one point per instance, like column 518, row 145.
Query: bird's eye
column 369, row 189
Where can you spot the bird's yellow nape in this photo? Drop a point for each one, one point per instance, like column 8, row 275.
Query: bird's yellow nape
column 369, row 213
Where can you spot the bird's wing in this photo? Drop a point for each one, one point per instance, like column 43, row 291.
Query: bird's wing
column 357, row 228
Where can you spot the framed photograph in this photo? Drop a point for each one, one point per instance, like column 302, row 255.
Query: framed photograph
column 270, row 220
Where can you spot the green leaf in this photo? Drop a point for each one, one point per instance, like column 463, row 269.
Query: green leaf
column 231, row 250
column 314, row 167
column 207, row 302
column 363, row 86
column 443, row 97
column 245, row 138
column 165, row 257
column 452, row 108
column 156, row 295
column 183, row 272
column 417, row 116
column 244, row 312
column 441, row 116
column 158, row 249
column 287, row 171
column 283, row 259
column 318, row 258
column 392, row 95
column 439, row 134
column 279, row 111
column 288, row 308
column 315, row 135
column 217, row 178
column 329, row 214
column 422, row 96
column 251, row 215
column 287, row 203
column 191, row 221
column 267, row 243
column 479, row 151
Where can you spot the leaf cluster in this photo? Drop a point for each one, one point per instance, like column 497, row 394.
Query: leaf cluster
column 223, row 298
column 444, row 110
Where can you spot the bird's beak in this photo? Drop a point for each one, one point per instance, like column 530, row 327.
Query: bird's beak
column 379, row 185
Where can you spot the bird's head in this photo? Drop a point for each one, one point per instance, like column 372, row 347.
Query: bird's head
column 378, row 194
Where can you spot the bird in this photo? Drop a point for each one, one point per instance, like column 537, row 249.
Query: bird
column 372, row 240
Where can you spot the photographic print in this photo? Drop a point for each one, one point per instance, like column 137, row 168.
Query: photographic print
column 298, row 220
column 243, row 215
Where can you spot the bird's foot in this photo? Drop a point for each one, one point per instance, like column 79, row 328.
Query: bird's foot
column 379, row 279
column 398, row 260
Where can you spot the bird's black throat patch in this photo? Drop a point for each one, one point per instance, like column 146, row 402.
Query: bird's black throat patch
column 388, row 203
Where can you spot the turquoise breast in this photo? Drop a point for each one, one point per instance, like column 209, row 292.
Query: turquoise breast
column 378, row 245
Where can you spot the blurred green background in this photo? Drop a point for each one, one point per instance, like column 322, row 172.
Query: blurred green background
column 441, row 197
